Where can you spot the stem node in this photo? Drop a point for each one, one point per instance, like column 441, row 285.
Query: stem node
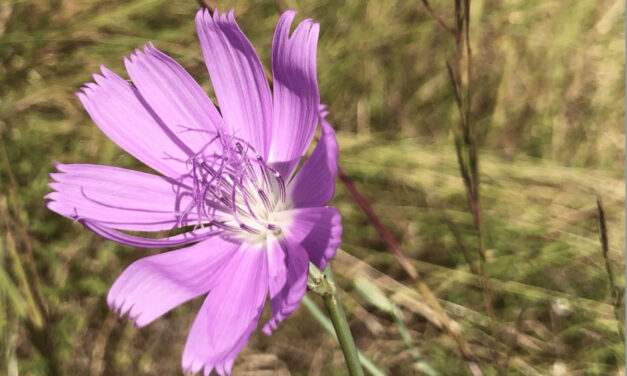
column 322, row 284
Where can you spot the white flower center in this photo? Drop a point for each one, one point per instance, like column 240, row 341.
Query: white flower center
column 234, row 189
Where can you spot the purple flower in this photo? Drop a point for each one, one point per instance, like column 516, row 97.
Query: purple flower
column 227, row 177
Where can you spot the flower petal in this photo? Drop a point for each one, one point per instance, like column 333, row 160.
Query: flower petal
column 314, row 184
column 174, row 96
column 119, row 198
column 288, row 287
column 185, row 238
column 277, row 265
column 238, row 78
column 318, row 230
column 229, row 314
column 153, row 285
column 296, row 95
column 123, row 115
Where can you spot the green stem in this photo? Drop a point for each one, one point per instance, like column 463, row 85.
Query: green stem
column 322, row 284
column 328, row 326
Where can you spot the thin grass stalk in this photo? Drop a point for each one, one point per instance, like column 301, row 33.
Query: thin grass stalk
column 465, row 140
column 30, row 266
column 471, row 147
column 373, row 295
column 466, row 146
column 39, row 325
column 12, row 308
column 616, row 292
column 421, row 364
column 514, row 343
column 437, row 17
column 394, row 248
column 10, row 342
column 34, row 314
column 9, row 292
column 440, row 212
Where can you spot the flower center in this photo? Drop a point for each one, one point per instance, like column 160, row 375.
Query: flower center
column 234, row 189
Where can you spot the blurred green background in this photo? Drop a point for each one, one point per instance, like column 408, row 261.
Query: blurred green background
column 548, row 88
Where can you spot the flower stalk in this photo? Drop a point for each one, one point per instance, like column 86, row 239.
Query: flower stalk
column 321, row 283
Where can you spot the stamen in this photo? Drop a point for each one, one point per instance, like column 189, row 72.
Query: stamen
column 245, row 227
column 264, row 199
column 264, row 172
column 235, row 182
column 250, row 209
column 223, row 226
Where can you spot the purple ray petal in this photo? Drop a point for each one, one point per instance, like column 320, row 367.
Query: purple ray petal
column 238, row 78
column 120, row 198
column 122, row 114
column 318, row 230
column 314, row 184
column 286, row 291
column 142, row 242
column 296, row 95
column 277, row 264
column 229, row 314
column 174, row 96
column 154, row 285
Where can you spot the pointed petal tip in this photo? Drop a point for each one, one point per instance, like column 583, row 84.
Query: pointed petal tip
column 266, row 330
column 63, row 167
column 314, row 30
column 54, row 206
column 80, row 92
column 306, row 29
column 105, row 71
column 139, row 320
column 135, row 55
column 128, row 60
column 224, row 17
column 192, row 366
column 131, row 57
column 204, row 15
column 228, row 366
column 269, row 327
column 207, row 17
column 215, row 16
column 285, row 22
column 55, row 176
column 112, row 302
column 88, row 90
column 97, row 78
